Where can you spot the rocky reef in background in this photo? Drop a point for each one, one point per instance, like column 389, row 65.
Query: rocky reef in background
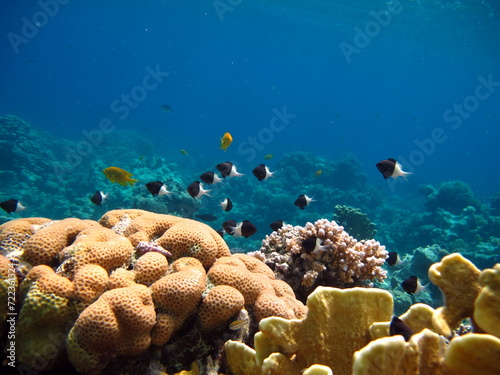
column 56, row 177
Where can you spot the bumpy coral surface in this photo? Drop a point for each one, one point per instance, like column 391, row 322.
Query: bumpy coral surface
column 117, row 324
column 44, row 318
column 268, row 296
column 138, row 284
column 355, row 222
column 44, row 245
column 13, row 234
column 331, row 257
column 181, row 237
column 96, row 245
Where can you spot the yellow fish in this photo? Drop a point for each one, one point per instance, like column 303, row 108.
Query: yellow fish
column 226, row 141
column 318, row 173
column 268, row 156
column 184, row 152
column 121, row 176
column 237, row 324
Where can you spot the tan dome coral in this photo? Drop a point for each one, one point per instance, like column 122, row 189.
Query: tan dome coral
column 14, row 233
column 180, row 292
column 121, row 278
column 117, row 324
column 150, row 267
column 182, row 237
column 96, row 245
column 44, row 246
column 90, row 282
column 219, row 305
column 177, row 296
column 112, row 218
column 236, row 277
column 267, row 296
column 194, row 239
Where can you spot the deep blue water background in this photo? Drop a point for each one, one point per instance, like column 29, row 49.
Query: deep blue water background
column 229, row 74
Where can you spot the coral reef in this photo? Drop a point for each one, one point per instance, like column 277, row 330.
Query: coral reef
column 452, row 196
column 117, row 324
column 104, row 295
column 331, row 257
column 355, row 222
column 341, row 332
column 335, row 327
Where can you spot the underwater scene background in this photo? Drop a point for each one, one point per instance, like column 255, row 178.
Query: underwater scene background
column 318, row 91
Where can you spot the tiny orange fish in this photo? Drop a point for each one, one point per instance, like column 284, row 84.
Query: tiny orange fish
column 268, row 156
column 226, row 141
column 184, row 152
column 237, row 324
column 318, row 173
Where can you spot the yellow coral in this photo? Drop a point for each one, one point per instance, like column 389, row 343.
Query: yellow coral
column 423, row 354
column 337, row 324
column 457, row 278
column 477, row 354
column 487, row 305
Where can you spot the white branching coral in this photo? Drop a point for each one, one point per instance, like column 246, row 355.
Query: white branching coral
column 322, row 253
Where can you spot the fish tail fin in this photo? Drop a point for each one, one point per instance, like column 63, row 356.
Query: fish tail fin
column 405, row 175
column 132, row 181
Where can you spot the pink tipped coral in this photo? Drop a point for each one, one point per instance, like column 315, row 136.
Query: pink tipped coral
column 322, row 253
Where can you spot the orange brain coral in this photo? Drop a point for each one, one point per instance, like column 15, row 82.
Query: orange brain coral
column 118, row 323
column 220, row 304
column 150, row 267
column 96, row 245
column 44, row 246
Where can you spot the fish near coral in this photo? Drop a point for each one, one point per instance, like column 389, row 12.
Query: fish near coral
column 196, row 190
column 98, row 198
column 303, row 201
column 12, row 205
column 120, row 176
column 412, row 285
column 226, row 141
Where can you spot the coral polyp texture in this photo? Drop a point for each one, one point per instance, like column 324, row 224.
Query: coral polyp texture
column 179, row 236
column 322, row 253
column 129, row 288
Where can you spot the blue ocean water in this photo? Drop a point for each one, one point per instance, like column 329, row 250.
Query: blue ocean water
column 412, row 80
column 325, row 88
